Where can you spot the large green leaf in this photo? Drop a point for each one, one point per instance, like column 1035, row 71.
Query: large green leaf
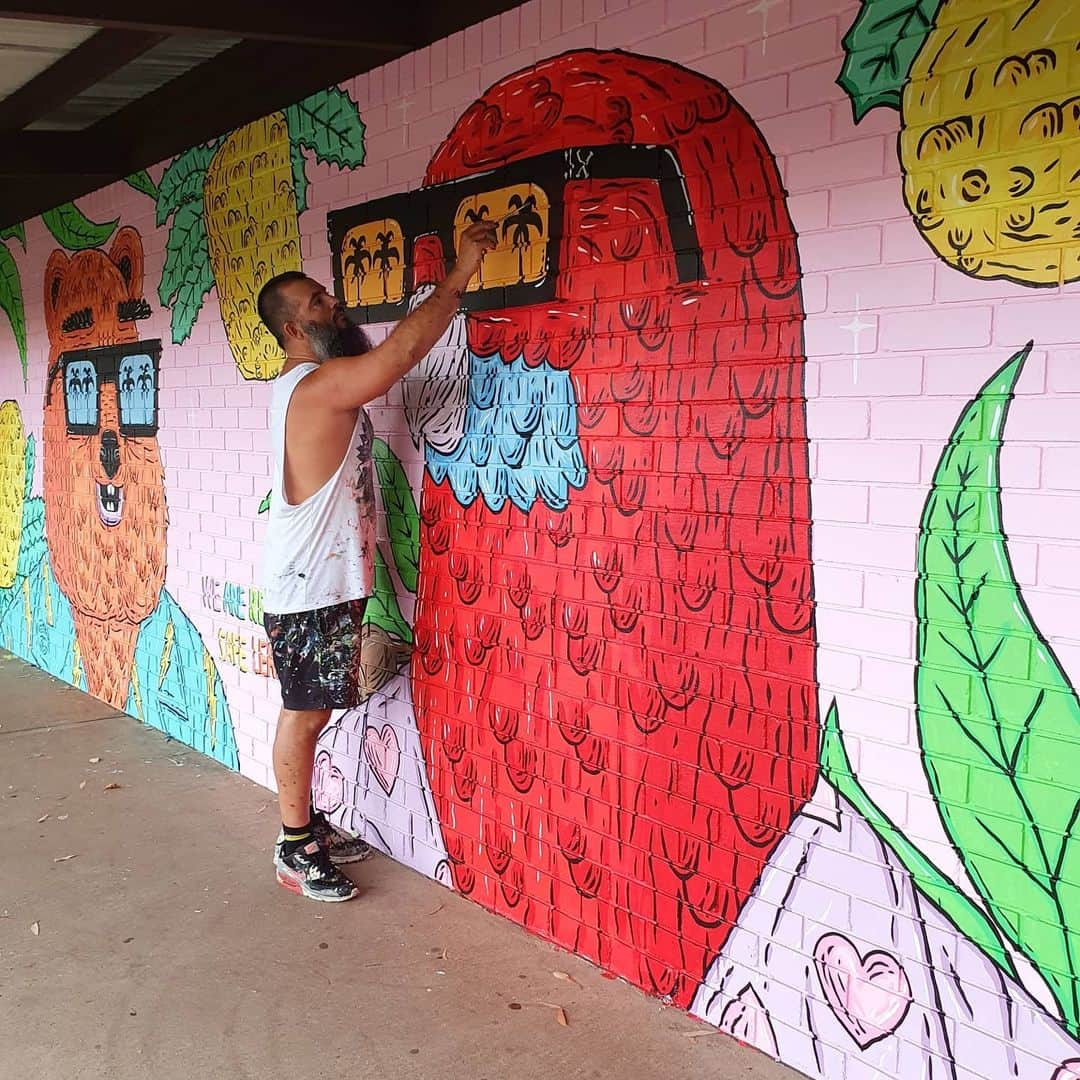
column 141, row 181
column 940, row 890
column 183, row 179
column 402, row 519
column 328, row 124
column 18, row 231
column 299, row 172
column 998, row 719
column 879, row 49
column 11, row 302
column 74, row 230
column 187, row 275
column 382, row 606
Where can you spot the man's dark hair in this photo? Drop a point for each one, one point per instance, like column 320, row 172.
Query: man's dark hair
column 274, row 309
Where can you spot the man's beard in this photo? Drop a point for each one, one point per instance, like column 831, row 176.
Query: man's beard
column 328, row 340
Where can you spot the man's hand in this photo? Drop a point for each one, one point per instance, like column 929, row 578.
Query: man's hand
column 475, row 242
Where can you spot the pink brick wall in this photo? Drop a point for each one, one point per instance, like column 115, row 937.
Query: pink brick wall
column 897, row 343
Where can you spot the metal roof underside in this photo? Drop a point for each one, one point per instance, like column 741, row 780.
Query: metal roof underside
column 92, row 92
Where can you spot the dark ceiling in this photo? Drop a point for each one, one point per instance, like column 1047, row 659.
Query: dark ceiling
column 206, row 67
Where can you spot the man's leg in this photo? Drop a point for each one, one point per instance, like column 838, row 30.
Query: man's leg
column 294, row 761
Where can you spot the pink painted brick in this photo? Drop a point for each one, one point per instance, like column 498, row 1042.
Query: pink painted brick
column 1040, row 514
column 237, row 440
column 1063, row 371
column 887, row 678
column 632, row 25
column 474, row 45
column 841, row 502
column 764, row 97
column 581, row 37
column 509, row 65
column 829, row 336
column 910, row 285
column 787, row 50
column 835, row 249
column 592, row 10
column 804, row 129
column 438, row 61
column 1022, row 467
column 875, row 200
column 902, row 242
column 838, row 670
column 890, row 592
column 407, row 170
column 878, row 462
column 816, row 84
column 573, row 13
column 432, row 129
column 1057, row 566
column 809, row 213
column 872, row 634
column 815, row 293
column 836, row 164
column 837, row 586
column 951, row 285
column 950, row 328
column 683, row 43
column 530, row 23
column 550, row 19
column 726, row 67
column 961, row 374
column 1052, row 321
column 491, row 39
column 455, row 55
column 1044, row 419
column 846, row 418
column 913, row 418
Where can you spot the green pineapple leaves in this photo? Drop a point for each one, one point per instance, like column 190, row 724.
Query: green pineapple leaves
column 879, row 50
column 73, row 230
column 11, row 301
column 327, row 124
column 402, row 519
column 999, row 722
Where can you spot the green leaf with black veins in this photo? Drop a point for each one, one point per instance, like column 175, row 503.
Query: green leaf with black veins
column 382, row 606
column 187, row 276
column 328, row 124
column 141, row 181
column 402, row 519
column 183, row 180
column 999, row 721
column 16, row 231
column 879, row 49
column 299, row 172
column 73, row 230
column 11, row 302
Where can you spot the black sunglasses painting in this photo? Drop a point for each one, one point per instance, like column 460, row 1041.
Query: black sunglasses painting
column 133, row 368
column 374, row 244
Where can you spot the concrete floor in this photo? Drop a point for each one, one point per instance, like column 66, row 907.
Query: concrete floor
column 166, row 950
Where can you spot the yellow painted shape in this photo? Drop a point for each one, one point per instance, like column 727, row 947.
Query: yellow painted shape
column 76, row 664
column 12, row 489
column 523, row 212
column 211, row 696
column 990, row 139
column 48, row 595
column 136, row 691
column 252, row 233
column 166, row 653
column 373, row 263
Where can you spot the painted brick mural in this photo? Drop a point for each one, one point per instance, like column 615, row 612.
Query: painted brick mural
column 726, row 595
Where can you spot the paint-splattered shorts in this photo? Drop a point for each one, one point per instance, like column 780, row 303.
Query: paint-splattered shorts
column 317, row 655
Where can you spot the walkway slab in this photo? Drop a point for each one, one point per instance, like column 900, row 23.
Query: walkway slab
column 165, row 949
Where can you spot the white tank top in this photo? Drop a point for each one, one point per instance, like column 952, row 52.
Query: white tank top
column 321, row 551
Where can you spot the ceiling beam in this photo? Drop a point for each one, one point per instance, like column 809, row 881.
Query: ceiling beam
column 97, row 57
column 332, row 24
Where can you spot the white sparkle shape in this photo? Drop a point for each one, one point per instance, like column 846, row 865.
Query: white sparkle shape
column 762, row 8
column 855, row 328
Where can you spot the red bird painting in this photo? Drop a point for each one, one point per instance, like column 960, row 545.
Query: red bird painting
column 614, row 664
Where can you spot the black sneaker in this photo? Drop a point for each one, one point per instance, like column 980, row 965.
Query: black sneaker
column 309, row 871
column 343, row 849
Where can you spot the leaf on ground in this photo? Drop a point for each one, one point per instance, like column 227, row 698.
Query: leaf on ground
column 62, row 817
column 66, row 858
column 95, row 760
column 515, row 1005
column 112, row 787
column 565, row 976
column 82, row 785
column 560, row 1017
column 44, row 817
column 35, row 928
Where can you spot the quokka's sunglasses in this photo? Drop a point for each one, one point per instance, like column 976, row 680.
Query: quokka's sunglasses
column 374, row 244
column 133, row 368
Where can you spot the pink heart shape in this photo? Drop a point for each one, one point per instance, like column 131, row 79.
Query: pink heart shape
column 1069, row 1070
column 328, row 785
column 383, row 754
column 870, row 995
column 745, row 1018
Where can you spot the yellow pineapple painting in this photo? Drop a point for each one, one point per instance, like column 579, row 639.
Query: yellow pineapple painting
column 235, row 205
column 12, row 489
column 989, row 99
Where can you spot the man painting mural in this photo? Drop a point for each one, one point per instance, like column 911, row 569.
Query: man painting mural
column 319, row 561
